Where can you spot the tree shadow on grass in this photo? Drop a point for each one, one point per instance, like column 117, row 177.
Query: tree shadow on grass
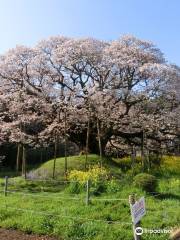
column 163, row 196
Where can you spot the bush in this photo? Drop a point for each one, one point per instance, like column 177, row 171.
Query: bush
column 75, row 187
column 155, row 159
column 125, row 163
column 171, row 164
column 113, row 186
column 98, row 188
column 146, row 182
column 134, row 171
column 96, row 175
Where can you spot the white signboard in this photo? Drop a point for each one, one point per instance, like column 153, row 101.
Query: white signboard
column 138, row 210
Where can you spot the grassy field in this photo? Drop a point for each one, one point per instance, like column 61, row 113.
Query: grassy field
column 47, row 207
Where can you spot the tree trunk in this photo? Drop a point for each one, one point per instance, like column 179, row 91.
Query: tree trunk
column 143, row 153
column 99, row 141
column 93, row 142
column 87, row 142
column 133, row 158
column 65, row 146
column 148, row 160
column 24, row 162
column 18, row 158
column 55, row 156
column 41, row 154
column 46, row 152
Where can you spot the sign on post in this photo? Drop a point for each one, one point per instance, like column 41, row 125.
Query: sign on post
column 138, row 210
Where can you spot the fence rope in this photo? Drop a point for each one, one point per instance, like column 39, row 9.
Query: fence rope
column 56, row 197
column 34, row 194
column 64, row 216
column 40, row 196
column 42, row 192
column 109, row 199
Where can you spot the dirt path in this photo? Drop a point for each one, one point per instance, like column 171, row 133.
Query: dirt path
column 17, row 235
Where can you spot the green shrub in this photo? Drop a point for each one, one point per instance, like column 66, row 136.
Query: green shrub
column 75, row 187
column 155, row 159
column 134, row 171
column 98, row 188
column 94, row 174
column 146, row 182
column 113, row 186
column 171, row 164
column 125, row 163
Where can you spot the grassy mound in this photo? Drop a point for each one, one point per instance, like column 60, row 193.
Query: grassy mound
column 73, row 162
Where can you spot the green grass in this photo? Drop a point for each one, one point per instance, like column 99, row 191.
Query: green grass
column 74, row 162
column 70, row 219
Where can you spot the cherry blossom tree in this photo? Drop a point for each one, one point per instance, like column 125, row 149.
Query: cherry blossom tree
column 90, row 91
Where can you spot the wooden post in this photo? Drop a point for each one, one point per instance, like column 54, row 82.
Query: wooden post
column 132, row 200
column 87, row 192
column 5, row 185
